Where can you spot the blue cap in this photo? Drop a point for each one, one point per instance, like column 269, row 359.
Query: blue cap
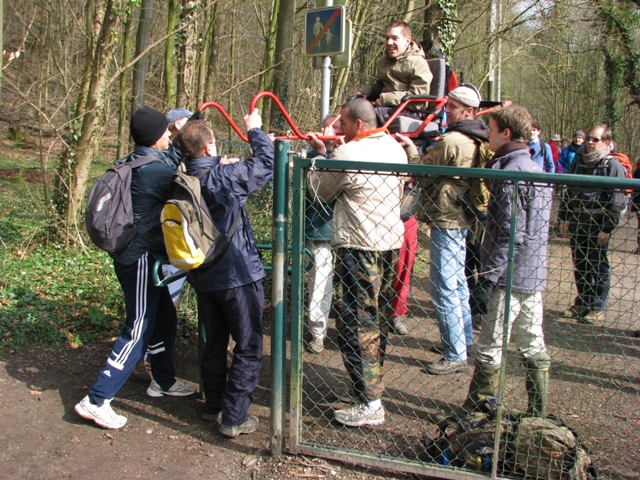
column 178, row 113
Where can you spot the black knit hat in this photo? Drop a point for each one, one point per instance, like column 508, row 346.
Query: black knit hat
column 147, row 126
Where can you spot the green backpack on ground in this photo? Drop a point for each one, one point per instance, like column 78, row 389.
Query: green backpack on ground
column 529, row 447
column 547, row 448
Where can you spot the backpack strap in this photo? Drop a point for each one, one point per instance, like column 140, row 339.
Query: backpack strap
column 138, row 162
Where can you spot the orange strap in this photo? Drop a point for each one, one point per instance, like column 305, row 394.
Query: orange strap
column 369, row 132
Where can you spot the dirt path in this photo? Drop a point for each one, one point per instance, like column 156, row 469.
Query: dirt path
column 165, row 438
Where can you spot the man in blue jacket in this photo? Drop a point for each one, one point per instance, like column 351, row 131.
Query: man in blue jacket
column 151, row 315
column 230, row 292
column 568, row 153
column 539, row 150
column 509, row 128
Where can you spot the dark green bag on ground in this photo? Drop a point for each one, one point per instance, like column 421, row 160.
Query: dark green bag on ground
column 530, row 447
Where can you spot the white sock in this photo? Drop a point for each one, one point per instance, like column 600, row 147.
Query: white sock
column 375, row 404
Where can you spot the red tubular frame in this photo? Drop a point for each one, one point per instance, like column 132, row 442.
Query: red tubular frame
column 439, row 104
column 298, row 135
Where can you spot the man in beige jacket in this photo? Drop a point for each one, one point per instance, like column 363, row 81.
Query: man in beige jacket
column 367, row 233
column 402, row 70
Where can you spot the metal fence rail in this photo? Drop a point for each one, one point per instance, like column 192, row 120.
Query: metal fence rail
column 595, row 368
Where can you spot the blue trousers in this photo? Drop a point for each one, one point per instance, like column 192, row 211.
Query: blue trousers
column 150, row 322
column 236, row 312
column 449, row 290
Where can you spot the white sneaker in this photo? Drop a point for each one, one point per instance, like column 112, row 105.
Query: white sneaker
column 178, row 389
column 359, row 415
column 103, row 416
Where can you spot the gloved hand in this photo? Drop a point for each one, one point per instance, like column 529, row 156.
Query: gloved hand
column 198, row 115
column 480, row 296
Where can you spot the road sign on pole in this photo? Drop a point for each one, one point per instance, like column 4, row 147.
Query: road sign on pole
column 324, row 31
column 343, row 59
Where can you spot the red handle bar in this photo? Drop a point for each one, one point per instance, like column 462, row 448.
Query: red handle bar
column 298, row 135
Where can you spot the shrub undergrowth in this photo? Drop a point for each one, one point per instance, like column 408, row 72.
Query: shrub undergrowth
column 50, row 295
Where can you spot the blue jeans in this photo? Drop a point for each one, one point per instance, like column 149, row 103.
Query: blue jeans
column 449, row 291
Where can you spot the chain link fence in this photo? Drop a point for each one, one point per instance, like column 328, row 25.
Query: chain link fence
column 594, row 376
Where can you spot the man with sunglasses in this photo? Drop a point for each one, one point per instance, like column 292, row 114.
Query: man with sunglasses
column 589, row 215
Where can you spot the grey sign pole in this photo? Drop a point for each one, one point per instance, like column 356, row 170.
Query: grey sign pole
column 325, row 87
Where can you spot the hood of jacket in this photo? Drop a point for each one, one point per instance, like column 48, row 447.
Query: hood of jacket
column 475, row 129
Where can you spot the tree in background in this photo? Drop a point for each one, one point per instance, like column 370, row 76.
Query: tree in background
column 572, row 63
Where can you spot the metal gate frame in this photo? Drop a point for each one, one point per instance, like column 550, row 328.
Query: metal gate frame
column 278, row 384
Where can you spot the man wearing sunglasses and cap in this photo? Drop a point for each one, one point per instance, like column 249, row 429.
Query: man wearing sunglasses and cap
column 589, row 215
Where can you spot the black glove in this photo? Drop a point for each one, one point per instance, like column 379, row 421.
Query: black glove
column 480, row 296
column 198, row 115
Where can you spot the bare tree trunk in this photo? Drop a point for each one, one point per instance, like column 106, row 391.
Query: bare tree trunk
column 283, row 53
column 266, row 79
column 232, row 67
column 186, row 52
column 123, row 130
column 409, row 8
column 212, row 66
column 170, row 45
column 94, row 10
column 142, row 42
column 88, row 139
column 203, row 55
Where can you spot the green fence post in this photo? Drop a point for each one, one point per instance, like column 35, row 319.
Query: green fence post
column 505, row 332
column 278, row 295
column 297, row 295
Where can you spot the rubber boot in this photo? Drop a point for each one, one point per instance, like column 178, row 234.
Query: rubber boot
column 537, row 384
column 484, row 384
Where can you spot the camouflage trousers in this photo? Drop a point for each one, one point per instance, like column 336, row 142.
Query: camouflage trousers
column 364, row 290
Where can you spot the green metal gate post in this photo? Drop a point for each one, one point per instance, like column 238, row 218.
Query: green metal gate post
column 279, row 295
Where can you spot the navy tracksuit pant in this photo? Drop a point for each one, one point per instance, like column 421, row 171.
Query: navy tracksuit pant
column 151, row 322
column 236, row 312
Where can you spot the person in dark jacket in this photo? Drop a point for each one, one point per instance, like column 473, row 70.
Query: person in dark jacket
column 509, row 128
column 589, row 215
column 151, row 315
column 230, row 291
column 317, row 233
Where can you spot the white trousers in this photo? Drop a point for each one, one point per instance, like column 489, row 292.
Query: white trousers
column 525, row 321
column 320, row 287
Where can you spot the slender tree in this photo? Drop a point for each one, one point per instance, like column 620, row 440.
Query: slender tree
column 83, row 150
column 142, row 42
column 283, row 54
column 169, row 53
column 123, row 129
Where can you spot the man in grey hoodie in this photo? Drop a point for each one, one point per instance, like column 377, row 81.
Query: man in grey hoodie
column 509, row 129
